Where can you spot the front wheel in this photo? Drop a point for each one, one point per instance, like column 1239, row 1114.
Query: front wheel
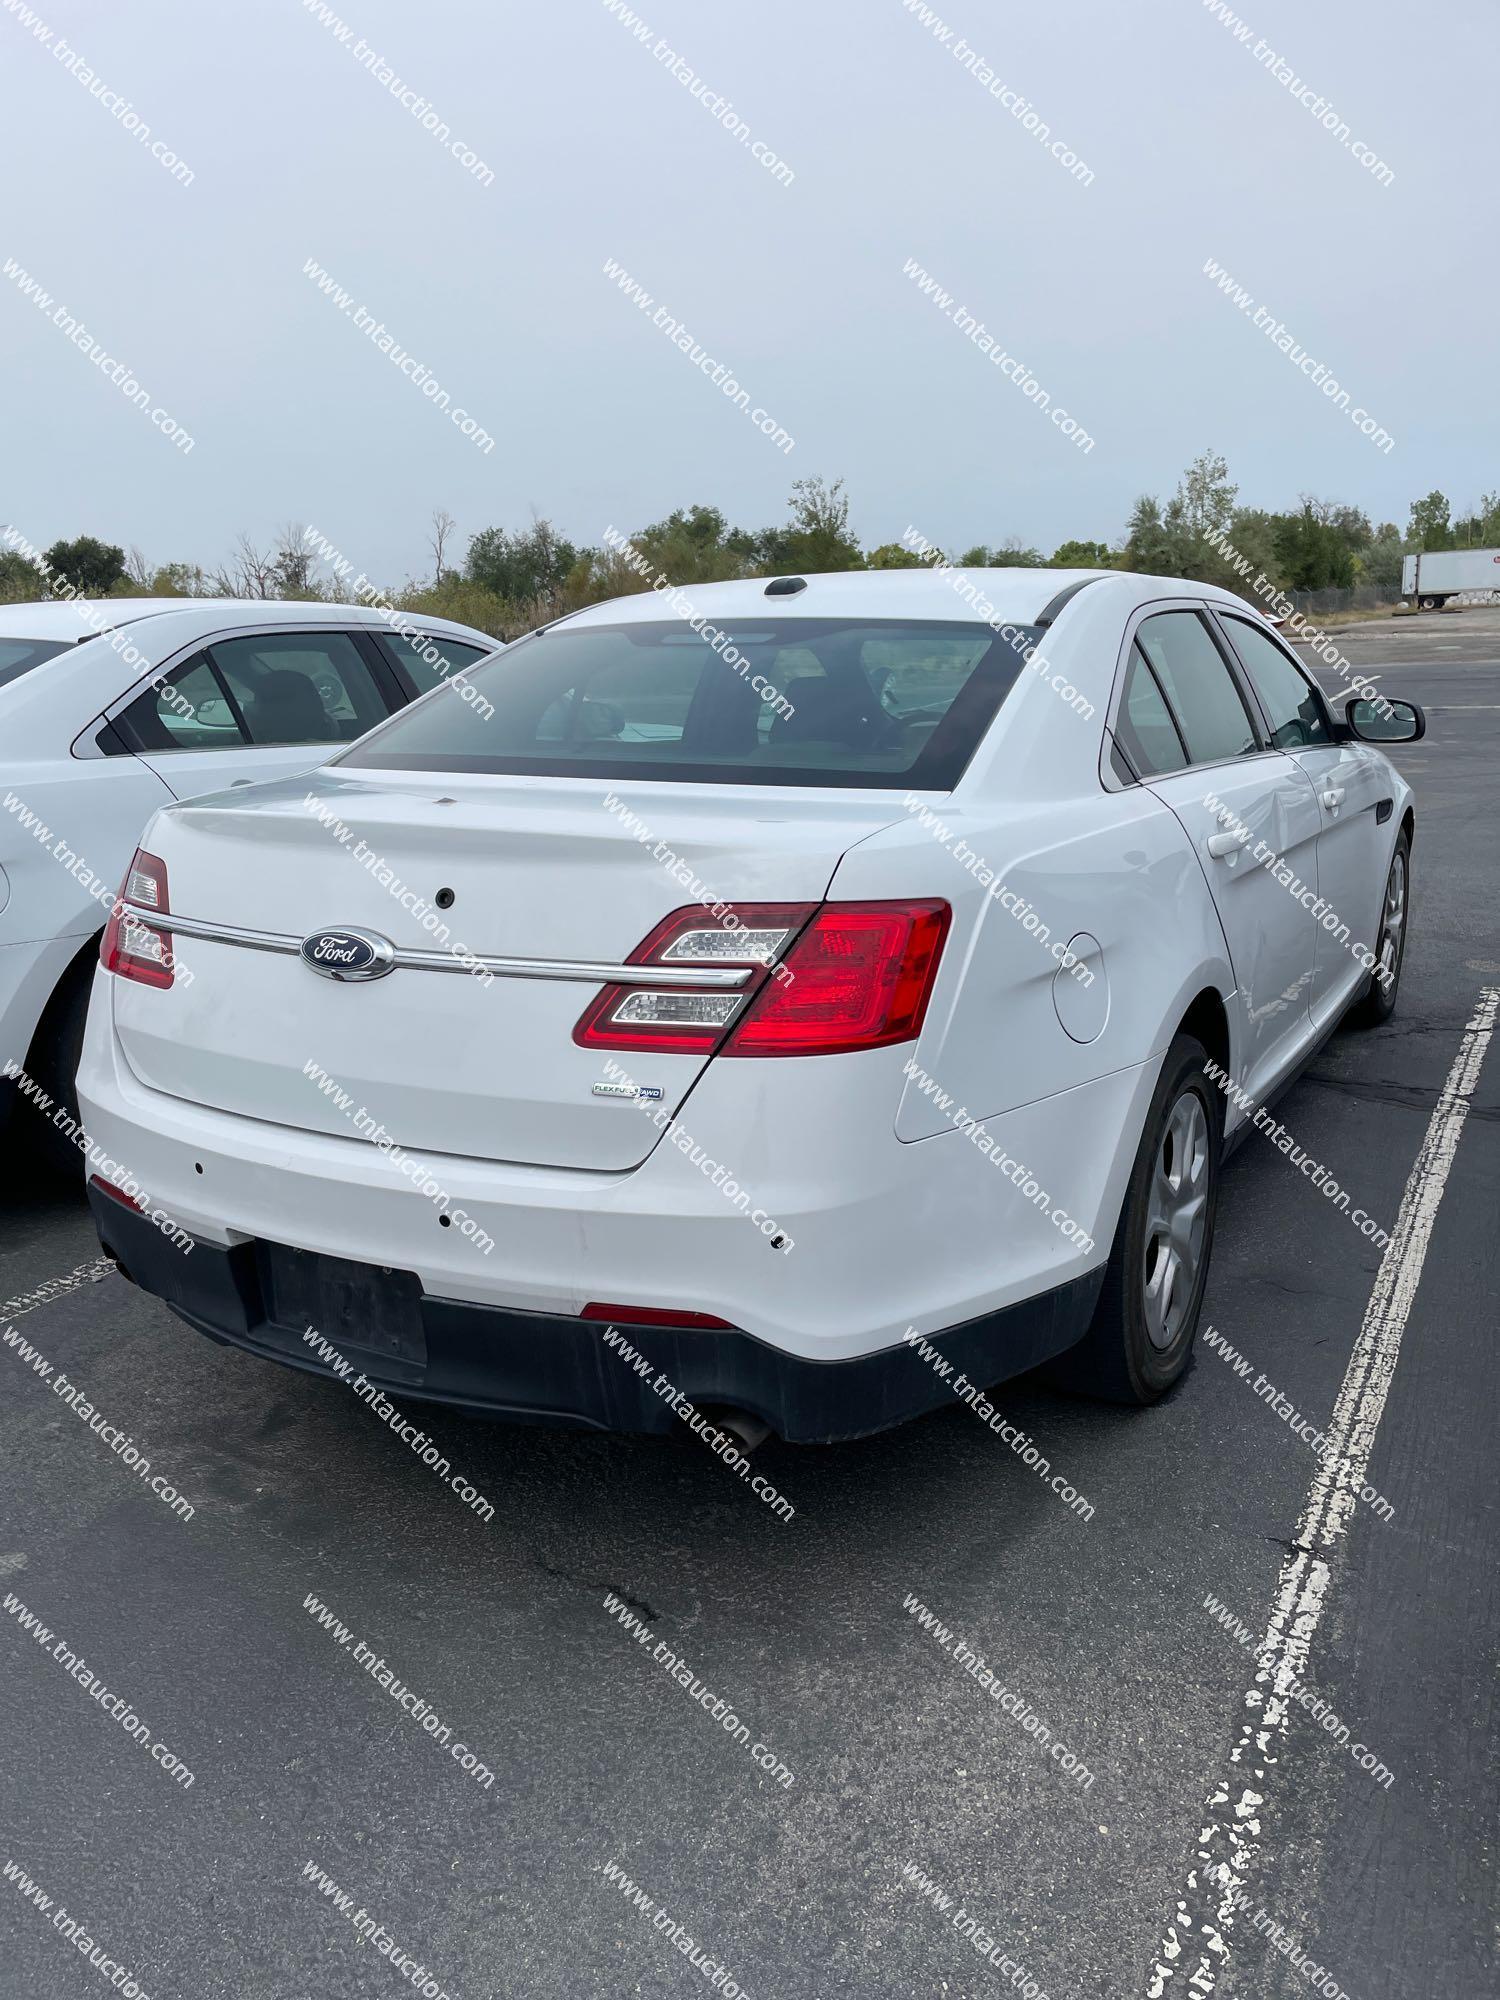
column 1140, row 1339
column 1379, row 1000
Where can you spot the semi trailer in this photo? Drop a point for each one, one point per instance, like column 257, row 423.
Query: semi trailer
column 1431, row 578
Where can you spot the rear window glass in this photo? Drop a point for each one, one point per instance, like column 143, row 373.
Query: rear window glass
column 797, row 701
column 18, row 656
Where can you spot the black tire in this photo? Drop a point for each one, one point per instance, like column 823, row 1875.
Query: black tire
column 1378, row 1001
column 53, row 1062
column 1132, row 1353
column 1432, row 603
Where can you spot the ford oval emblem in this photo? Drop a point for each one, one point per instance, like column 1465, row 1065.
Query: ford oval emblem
column 349, row 954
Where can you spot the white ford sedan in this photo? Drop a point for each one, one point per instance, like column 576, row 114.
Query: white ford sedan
column 711, row 1007
column 110, row 709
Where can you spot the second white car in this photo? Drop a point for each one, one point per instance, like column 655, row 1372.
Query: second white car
column 111, row 709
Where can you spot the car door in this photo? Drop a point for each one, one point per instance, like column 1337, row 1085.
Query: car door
column 1350, row 782
column 1186, row 728
column 257, row 705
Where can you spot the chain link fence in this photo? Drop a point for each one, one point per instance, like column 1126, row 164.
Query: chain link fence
column 1322, row 604
column 1327, row 603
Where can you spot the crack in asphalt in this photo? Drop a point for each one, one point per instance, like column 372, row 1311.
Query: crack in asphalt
column 637, row 1604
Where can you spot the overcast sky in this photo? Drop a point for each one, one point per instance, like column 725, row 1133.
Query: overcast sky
column 598, row 152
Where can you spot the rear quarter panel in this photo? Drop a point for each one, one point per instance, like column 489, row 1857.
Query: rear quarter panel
column 67, row 824
column 1114, row 866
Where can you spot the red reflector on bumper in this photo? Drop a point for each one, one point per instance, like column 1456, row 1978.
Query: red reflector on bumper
column 116, row 1193
column 654, row 1316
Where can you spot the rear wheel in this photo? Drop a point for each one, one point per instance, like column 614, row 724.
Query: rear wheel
column 1140, row 1339
column 1379, row 1001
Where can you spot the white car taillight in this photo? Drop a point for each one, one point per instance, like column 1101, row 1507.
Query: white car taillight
column 847, row 976
column 648, row 1017
column 132, row 948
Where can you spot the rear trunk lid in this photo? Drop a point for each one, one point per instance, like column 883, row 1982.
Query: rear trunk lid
column 443, row 1061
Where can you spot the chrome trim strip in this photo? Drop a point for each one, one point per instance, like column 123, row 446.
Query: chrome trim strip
column 705, row 979
column 221, row 933
column 715, row 979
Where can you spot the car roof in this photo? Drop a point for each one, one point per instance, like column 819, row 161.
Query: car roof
column 82, row 617
column 1023, row 596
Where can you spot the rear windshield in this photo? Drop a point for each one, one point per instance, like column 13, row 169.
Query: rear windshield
column 769, row 701
column 17, row 655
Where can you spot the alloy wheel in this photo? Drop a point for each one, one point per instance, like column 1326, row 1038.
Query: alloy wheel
column 1176, row 1219
column 1393, row 919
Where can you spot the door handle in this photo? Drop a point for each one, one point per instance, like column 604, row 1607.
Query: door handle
column 1222, row 844
column 1333, row 798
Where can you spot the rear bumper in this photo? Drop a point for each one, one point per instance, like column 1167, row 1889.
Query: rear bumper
column 536, row 1367
column 887, row 1235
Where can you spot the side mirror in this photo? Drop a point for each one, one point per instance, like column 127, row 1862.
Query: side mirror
column 1383, row 721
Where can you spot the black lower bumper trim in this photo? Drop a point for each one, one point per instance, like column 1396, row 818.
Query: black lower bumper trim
column 549, row 1368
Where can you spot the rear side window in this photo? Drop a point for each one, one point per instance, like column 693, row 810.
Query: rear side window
column 195, row 712
column 299, row 687
column 18, row 656
column 1206, row 705
column 188, row 709
column 1293, row 706
column 796, row 701
column 266, row 688
column 430, row 659
column 1144, row 726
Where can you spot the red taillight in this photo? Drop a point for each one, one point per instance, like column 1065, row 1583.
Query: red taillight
column 665, row 1016
column 655, row 1316
column 861, row 977
column 132, row 949
column 856, row 976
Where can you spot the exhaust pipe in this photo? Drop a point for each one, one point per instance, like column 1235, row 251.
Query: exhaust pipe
column 748, row 1431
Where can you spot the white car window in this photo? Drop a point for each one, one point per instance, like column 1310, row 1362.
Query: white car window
column 191, row 710
column 1144, row 725
column 300, row 687
column 18, row 656
column 430, row 659
column 769, row 699
column 1206, row 704
column 1293, row 707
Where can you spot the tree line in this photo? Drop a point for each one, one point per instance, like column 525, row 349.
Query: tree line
column 509, row 581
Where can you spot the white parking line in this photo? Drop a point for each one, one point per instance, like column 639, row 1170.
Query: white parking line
column 57, row 1288
column 1196, row 1943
